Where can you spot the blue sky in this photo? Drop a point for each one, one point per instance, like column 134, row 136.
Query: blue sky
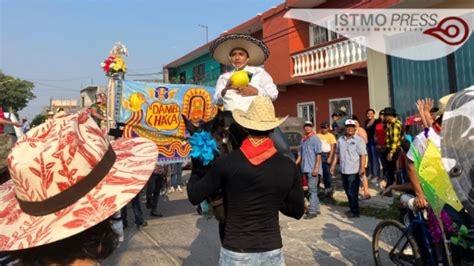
column 59, row 45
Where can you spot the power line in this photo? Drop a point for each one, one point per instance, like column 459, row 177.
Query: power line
column 58, row 80
column 145, row 74
column 269, row 39
column 135, row 69
column 54, row 86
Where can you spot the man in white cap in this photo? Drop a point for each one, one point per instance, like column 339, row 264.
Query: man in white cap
column 310, row 159
column 351, row 153
column 257, row 183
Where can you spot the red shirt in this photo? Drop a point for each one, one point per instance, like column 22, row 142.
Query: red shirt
column 2, row 117
column 380, row 134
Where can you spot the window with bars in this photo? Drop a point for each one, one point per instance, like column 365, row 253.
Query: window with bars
column 319, row 34
column 307, row 111
column 199, row 74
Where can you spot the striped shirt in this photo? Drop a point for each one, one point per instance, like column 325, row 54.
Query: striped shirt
column 393, row 136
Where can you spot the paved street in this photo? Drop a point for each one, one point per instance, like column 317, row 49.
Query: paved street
column 184, row 238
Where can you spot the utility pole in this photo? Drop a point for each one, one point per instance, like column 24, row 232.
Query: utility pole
column 207, row 31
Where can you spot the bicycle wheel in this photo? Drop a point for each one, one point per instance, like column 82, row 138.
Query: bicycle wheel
column 391, row 246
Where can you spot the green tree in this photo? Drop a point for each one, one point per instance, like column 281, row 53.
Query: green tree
column 39, row 119
column 15, row 93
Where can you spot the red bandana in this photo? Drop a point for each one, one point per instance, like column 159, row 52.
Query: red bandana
column 258, row 151
column 307, row 136
column 437, row 128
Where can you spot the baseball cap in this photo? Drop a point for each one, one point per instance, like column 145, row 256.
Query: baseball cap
column 350, row 122
column 308, row 123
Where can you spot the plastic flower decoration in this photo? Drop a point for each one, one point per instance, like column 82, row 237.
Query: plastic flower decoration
column 203, row 147
column 114, row 64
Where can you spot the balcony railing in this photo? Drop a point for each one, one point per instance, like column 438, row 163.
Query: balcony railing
column 329, row 57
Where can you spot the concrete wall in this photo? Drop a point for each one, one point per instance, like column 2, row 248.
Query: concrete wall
column 87, row 98
column 275, row 35
column 354, row 87
column 89, row 95
column 378, row 80
column 211, row 68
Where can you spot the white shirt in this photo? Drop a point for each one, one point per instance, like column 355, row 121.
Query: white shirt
column 261, row 80
column 421, row 142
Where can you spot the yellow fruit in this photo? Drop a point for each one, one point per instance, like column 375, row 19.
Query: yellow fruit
column 239, row 79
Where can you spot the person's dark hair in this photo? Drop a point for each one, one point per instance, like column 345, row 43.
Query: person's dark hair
column 354, row 117
column 258, row 133
column 335, row 114
column 434, row 110
column 238, row 48
column 95, row 243
column 370, row 109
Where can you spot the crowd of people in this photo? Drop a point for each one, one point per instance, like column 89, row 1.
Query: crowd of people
column 362, row 152
column 71, row 214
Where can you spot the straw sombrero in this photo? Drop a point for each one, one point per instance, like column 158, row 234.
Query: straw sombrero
column 66, row 178
column 442, row 103
column 260, row 115
column 257, row 50
column 457, row 145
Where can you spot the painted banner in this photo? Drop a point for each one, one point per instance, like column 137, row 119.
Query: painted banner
column 153, row 111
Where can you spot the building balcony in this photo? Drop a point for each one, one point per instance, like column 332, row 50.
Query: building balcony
column 338, row 54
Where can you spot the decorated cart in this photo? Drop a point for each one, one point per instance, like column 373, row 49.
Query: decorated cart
column 154, row 110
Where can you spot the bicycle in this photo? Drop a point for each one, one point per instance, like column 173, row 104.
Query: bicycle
column 395, row 243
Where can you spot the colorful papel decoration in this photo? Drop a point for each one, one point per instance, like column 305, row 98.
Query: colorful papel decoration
column 154, row 111
column 114, row 64
column 203, row 147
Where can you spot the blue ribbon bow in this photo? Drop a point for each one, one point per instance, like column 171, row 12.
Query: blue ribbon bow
column 203, row 147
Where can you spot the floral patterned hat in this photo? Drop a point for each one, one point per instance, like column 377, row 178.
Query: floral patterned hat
column 66, row 178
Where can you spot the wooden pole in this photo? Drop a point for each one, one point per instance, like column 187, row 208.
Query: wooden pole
column 110, row 103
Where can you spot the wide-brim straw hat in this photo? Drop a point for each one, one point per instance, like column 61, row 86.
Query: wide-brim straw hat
column 66, row 178
column 222, row 47
column 442, row 103
column 260, row 115
column 457, row 145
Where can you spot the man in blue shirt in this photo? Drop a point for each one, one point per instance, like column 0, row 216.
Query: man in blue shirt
column 310, row 159
column 351, row 153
